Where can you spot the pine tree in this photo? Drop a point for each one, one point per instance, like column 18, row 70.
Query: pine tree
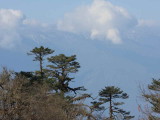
column 108, row 95
column 61, row 69
column 153, row 97
column 39, row 54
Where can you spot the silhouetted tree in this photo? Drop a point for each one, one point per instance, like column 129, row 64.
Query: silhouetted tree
column 153, row 98
column 61, row 69
column 39, row 54
column 110, row 94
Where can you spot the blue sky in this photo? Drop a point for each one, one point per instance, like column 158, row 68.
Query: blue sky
column 52, row 10
column 43, row 10
column 116, row 41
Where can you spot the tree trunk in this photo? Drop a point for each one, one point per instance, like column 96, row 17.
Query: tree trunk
column 41, row 67
column 110, row 108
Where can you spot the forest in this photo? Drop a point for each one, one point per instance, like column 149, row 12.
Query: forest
column 47, row 93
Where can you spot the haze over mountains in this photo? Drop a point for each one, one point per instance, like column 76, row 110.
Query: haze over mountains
column 125, row 54
column 102, row 63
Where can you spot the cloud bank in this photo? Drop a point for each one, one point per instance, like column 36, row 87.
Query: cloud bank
column 101, row 20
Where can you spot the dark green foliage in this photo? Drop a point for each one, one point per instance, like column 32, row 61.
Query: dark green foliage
column 108, row 95
column 30, row 76
column 61, row 69
column 155, row 85
column 39, row 54
column 96, row 106
column 113, row 92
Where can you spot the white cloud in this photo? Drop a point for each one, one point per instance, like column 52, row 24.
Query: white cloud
column 100, row 20
column 14, row 26
column 113, row 34
column 10, row 21
column 10, row 18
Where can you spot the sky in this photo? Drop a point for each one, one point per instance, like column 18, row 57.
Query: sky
column 116, row 41
column 50, row 11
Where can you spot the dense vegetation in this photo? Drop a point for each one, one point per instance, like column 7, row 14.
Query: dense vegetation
column 46, row 94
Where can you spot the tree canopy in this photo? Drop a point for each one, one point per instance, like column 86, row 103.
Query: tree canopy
column 39, row 54
column 109, row 95
column 60, row 69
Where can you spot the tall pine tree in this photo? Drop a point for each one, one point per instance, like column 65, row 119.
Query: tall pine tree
column 61, row 70
column 39, row 54
column 110, row 94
